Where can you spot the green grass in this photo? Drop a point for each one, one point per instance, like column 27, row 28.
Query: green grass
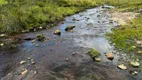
column 125, row 35
column 3, row 2
column 18, row 15
column 28, row 14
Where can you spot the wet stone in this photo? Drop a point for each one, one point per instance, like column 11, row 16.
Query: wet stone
column 97, row 59
column 134, row 72
column 1, row 44
column 37, row 45
column 73, row 53
column 67, row 59
column 33, row 41
column 69, row 28
column 110, row 56
column 2, row 35
column 22, row 62
column 24, row 73
column 139, row 52
column 57, row 32
column 122, row 66
column 135, row 64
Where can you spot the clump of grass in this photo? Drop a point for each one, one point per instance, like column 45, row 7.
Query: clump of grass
column 93, row 53
column 40, row 37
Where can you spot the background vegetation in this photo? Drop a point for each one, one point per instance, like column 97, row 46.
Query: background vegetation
column 18, row 15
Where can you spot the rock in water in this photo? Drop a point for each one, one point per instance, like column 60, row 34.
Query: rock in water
column 110, row 56
column 134, row 72
column 57, row 32
column 1, row 44
column 97, row 59
column 22, row 62
column 122, row 66
column 73, row 53
column 2, row 35
column 33, row 41
column 24, row 73
column 139, row 52
column 135, row 64
column 139, row 42
column 69, row 28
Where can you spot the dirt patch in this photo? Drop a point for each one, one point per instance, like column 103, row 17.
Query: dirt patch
column 123, row 17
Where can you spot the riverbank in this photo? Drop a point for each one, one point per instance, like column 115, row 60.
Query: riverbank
column 25, row 16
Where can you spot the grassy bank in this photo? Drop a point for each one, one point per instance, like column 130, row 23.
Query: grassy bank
column 126, row 36
column 18, row 15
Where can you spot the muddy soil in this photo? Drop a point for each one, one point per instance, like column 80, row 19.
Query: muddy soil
column 53, row 57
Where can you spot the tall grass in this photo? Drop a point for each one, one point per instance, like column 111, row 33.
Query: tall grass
column 18, row 15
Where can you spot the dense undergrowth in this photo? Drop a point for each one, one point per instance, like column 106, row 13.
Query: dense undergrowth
column 18, row 15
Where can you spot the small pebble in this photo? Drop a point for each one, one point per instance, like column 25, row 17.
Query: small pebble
column 67, row 59
column 22, row 62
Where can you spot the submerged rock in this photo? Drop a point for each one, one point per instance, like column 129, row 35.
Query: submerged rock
column 69, row 28
column 122, row 66
column 57, row 32
column 110, row 56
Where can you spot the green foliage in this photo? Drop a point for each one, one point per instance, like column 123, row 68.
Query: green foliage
column 21, row 15
column 3, row 2
column 18, row 15
column 40, row 37
column 93, row 53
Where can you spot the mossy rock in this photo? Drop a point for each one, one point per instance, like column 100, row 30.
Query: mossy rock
column 93, row 53
column 40, row 37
